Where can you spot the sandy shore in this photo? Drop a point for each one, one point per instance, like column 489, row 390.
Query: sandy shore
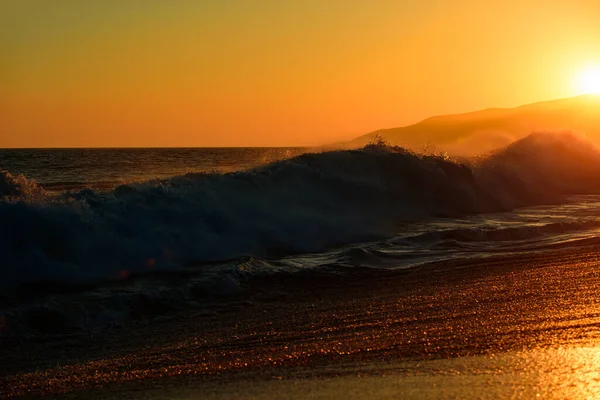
column 513, row 326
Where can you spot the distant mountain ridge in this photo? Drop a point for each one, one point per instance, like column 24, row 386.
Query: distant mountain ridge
column 483, row 131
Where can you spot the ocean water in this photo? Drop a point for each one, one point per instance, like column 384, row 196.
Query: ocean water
column 59, row 170
column 75, row 222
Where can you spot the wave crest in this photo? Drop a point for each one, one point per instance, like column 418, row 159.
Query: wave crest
column 19, row 188
column 304, row 204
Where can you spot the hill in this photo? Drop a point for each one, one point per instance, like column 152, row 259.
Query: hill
column 487, row 130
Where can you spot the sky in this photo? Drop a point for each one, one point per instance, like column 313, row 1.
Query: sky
column 146, row 73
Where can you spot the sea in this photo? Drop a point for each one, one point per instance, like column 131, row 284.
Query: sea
column 59, row 170
column 86, row 233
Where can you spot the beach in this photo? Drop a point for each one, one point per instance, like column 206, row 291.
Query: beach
column 448, row 329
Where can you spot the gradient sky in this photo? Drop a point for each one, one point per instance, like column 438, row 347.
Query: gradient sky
column 110, row 73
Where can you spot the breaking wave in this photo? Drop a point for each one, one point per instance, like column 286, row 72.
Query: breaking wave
column 304, row 204
column 19, row 188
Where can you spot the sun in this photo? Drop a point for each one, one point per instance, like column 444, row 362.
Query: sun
column 588, row 80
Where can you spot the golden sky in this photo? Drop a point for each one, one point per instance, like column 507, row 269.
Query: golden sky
column 116, row 73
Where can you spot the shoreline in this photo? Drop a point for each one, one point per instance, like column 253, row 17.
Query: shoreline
column 293, row 328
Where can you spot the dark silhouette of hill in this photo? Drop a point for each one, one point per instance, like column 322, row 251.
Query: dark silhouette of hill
column 487, row 130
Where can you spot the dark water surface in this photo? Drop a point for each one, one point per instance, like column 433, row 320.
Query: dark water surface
column 71, row 169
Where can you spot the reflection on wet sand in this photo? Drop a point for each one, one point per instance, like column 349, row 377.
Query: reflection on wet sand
column 547, row 373
column 565, row 372
column 562, row 373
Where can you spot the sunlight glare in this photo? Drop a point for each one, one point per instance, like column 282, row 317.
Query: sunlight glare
column 588, row 81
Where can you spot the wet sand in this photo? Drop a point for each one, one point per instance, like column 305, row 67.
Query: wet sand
column 495, row 328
